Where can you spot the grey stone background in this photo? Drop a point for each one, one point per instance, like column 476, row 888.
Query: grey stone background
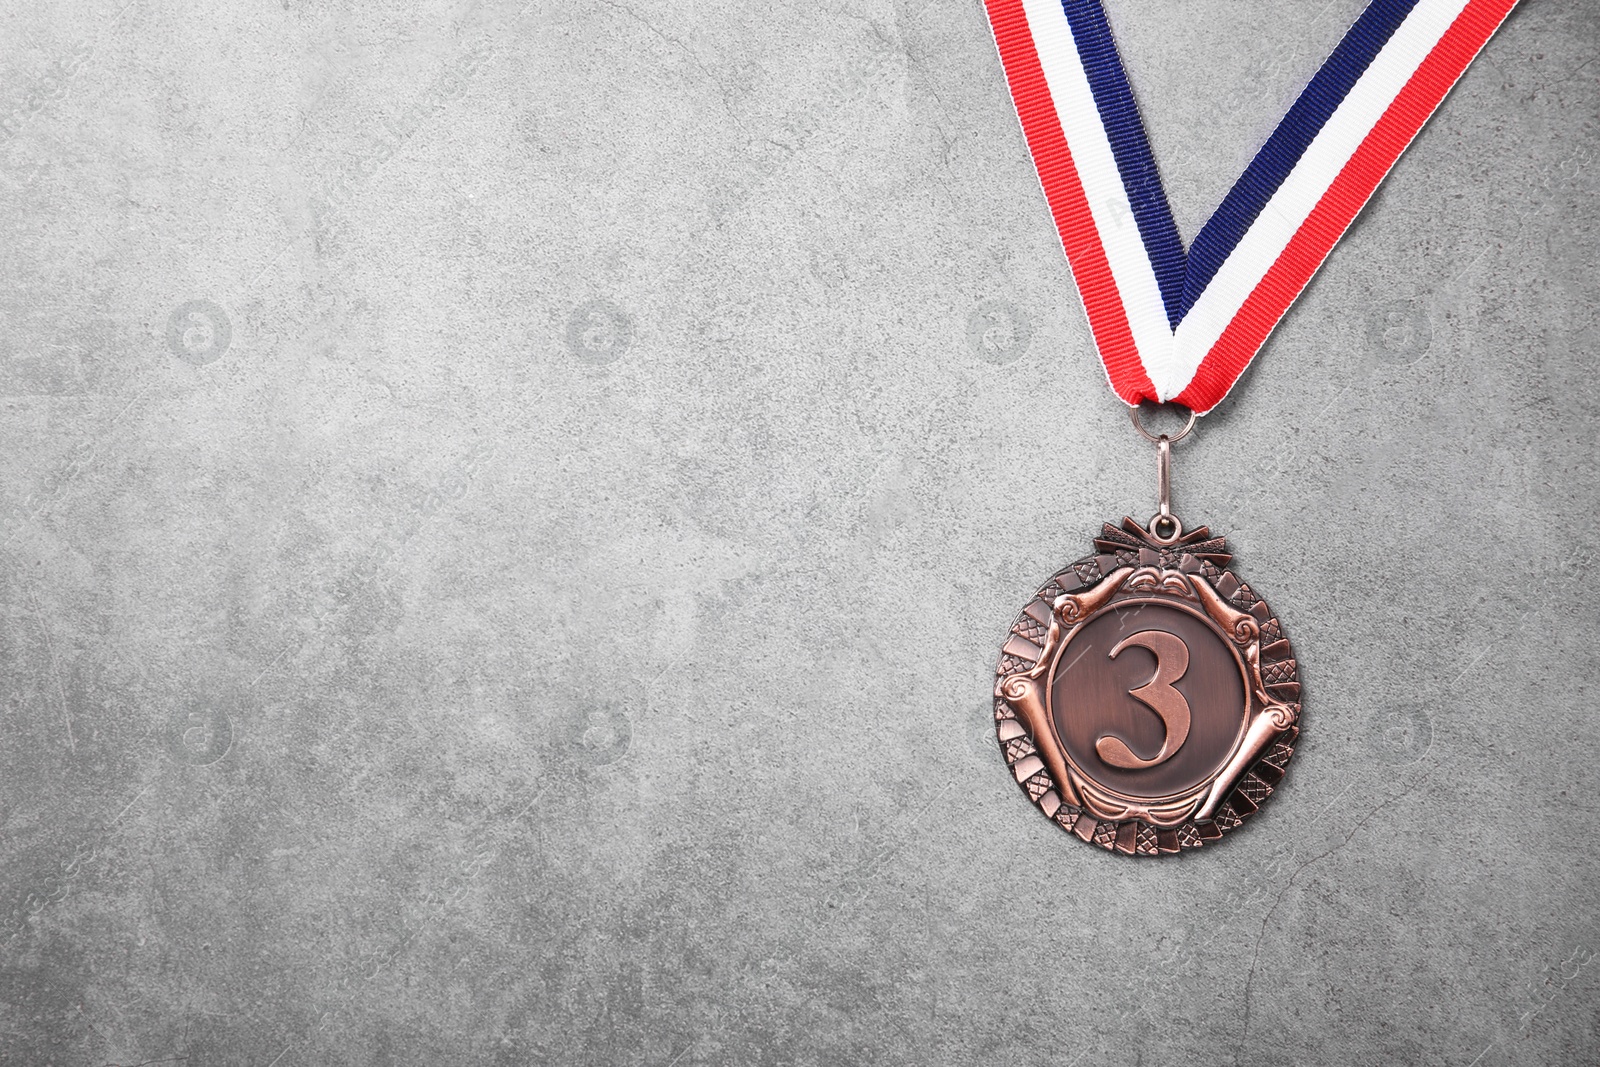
column 510, row 512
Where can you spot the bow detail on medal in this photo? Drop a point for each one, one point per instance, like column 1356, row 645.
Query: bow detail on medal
column 1182, row 326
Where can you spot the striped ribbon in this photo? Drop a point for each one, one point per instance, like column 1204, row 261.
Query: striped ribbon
column 1183, row 326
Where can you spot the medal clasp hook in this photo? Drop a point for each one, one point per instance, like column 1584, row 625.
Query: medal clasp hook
column 1164, row 526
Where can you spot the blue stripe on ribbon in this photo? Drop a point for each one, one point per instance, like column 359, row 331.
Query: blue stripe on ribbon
column 1181, row 276
column 1113, row 97
column 1267, row 171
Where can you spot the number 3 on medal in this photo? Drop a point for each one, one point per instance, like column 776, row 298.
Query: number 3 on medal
column 1172, row 660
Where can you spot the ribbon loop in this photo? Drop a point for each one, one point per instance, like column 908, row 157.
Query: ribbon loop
column 1183, row 325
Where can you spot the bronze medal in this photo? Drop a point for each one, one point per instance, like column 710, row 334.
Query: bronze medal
column 1147, row 699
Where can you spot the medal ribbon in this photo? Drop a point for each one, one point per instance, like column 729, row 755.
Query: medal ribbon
column 1183, row 326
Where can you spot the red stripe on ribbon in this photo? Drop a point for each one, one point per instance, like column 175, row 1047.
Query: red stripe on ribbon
column 1316, row 237
column 1064, row 191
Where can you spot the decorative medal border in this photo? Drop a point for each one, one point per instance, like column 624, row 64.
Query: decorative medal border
column 1183, row 326
column 1132, row 559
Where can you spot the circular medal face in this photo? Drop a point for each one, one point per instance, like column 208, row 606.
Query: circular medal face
column 1146, row 699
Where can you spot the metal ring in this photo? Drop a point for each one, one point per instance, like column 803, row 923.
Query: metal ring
column 1159, row 518
column 1133, row 412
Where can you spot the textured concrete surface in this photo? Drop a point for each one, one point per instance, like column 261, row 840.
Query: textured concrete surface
column 510, row 512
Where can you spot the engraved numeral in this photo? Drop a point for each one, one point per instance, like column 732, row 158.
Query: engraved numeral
column 1172, row 661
